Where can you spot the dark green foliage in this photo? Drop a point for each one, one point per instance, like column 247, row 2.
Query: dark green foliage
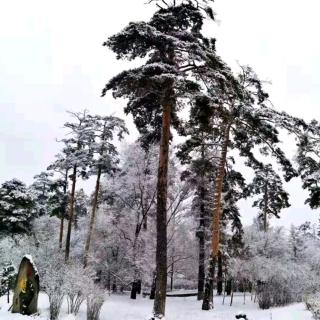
column 171, row 41
column 58, row 198
column 308, row 159
column 16, row 207
column 41, row 188
column 268, row 186
column 81, row 203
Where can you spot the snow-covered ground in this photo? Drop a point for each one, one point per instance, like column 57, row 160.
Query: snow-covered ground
column 122, row 308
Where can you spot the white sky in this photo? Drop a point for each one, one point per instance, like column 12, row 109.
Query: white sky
column 52, row 60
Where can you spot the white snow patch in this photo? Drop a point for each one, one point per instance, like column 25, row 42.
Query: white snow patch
column 121, row 307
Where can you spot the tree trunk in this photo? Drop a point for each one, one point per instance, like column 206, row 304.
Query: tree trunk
column 171, row 274
column 134, row 290
column 201, row 272
column 139, row 286
column 153, row 288
column 219, row 275
column 215, row 241
column 92, row 219
column 63, row 214
column 207, row 302
column 71, row 211
column 61, row 231
column 109, row 281
column 145, row 222
column 201, row 237
column 265, row 211
column 202, row 232
column 228, row 287
column 162, row 186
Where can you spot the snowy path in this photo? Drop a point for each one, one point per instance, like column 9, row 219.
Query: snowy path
column 122, row 308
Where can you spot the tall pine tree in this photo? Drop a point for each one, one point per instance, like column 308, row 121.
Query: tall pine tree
column 171, row 41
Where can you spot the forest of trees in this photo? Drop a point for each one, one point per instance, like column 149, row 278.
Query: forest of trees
column 165, row 215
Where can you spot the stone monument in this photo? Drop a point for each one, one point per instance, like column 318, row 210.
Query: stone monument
column 25, row 299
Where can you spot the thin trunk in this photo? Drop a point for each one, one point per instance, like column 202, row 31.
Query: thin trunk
column 265, row 211
column 231, row 301
column 134, row 288
column 139, row 286
column 71, row 211
column 201, row 272
column 224, row 291
column 219, row 275
column 109, row 281
column 145, row 222
column 201, row 236
column 61, row 231
column 172, row 274
column 228, row 287
column 218, row 185
column 153, row 288
column 65, row 189
column 162, row 186
column 92, row 219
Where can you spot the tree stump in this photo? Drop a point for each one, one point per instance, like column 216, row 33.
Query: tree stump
column 25, row 299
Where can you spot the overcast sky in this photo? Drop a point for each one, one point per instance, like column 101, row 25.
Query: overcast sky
column 52, row 60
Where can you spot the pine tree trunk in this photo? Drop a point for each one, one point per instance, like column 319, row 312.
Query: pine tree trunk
column 71, row 212
column 65, row 189
column 201, row 272
column 215, row 241
column 134, row 287
column 219, row 275
column 92, row 219
column 162, row 186
column 207, row 302
column 201, row 237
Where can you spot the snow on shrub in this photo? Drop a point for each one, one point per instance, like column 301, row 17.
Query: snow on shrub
column 268, row 264
column 313, row 305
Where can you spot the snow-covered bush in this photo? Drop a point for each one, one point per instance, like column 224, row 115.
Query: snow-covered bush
column 95, row 300
column 269, row 264
column 7, row 279
column 78, row 282
column 313, row 305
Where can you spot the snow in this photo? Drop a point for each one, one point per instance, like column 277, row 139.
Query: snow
column 29, row 257
column 120, row 307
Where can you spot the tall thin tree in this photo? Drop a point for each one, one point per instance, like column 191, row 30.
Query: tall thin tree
column 105, row 160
